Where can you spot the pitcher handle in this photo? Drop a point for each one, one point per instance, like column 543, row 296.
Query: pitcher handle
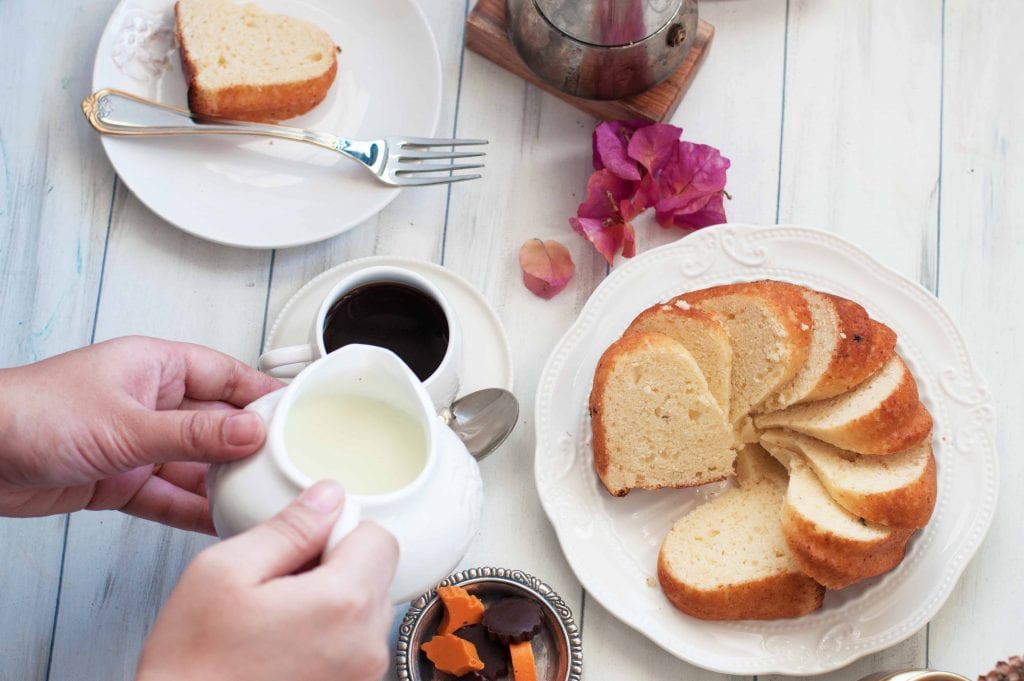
column 346, row 522
column 288, row 361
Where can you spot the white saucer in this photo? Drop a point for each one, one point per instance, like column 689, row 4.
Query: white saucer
column 486, row 362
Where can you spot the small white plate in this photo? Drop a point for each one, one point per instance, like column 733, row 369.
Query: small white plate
column 612, row 543
column 486, row 361
column 262, row 193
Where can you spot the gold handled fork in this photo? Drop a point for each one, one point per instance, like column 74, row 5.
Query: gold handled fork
column 398, row 161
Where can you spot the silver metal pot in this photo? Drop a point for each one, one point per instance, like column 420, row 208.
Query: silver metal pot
column 602, row 49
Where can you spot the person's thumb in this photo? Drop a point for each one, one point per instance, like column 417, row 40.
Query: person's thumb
column 289, row 540
column 209, row 435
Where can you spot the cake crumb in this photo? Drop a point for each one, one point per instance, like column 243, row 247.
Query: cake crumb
column 804, row 327
column 842, row 335
column 651, row 581
column 682, row 305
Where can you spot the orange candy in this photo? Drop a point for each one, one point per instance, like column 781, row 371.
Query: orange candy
column 524, row 667
column 453, row 655
column 460, row 609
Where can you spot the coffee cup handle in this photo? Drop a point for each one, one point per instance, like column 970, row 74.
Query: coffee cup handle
column 346, row 522
column 288, row 361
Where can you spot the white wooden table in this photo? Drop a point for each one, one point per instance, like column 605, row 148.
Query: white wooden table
column 898, row 124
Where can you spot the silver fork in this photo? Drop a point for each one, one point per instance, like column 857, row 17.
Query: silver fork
column 398, row 161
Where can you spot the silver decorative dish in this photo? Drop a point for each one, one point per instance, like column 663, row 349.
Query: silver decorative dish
column 558, row 648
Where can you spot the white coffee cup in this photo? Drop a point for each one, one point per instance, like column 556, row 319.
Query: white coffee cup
column 442, row 385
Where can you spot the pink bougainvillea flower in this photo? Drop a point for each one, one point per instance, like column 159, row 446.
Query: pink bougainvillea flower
column 547, row 267
column 642, row 165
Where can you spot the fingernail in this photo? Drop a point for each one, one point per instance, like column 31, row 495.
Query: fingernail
column 243, row 429
column 323, row 497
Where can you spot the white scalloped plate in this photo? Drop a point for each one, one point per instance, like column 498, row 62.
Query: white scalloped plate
column 612, row 543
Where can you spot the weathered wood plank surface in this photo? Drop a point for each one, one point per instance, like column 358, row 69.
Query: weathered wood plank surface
column 895, row 124
column 55, row 196
column 982, row 252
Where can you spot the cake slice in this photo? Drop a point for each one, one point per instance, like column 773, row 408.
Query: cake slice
column 769, row 325
column 701, row 333
column 728, row 559
column 847, row 347
column 245, row 63
column 829, row 543
column 882, row 415
column 896, row 490
column 655, row 423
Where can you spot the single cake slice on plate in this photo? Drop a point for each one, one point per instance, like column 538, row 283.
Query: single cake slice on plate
column 728, row 559
column 883, row 415
column 847, row 347
column 655, row 423
column 245, row 63
column 897, row 490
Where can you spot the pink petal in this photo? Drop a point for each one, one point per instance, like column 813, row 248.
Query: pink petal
column 647, row 194
column 605, row 190
column 713, row 213
column 606, row 235
column 694, row 170
column 654, row 145
column 666, row 210
column 609, row 142
column 547, row 267
column 628, row 241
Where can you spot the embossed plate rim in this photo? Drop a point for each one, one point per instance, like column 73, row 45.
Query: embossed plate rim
column 856, row 621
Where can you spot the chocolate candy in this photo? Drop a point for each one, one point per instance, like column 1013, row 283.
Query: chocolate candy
column 512, row 620
column 493, row 655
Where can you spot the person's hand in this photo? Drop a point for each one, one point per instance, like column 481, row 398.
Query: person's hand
column 128, row 424
column 241, row 613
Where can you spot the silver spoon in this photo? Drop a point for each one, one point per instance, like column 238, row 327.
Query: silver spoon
column 482, row 419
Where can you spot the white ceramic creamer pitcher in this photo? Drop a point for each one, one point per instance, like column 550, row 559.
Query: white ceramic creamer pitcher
column 434, row 517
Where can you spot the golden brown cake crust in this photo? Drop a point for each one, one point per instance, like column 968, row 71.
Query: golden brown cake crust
column 784, row 595
column 908, row 507
column 263, row 104
column 840, row 574
column 864, row 346
column 899, row 423
column 837, row 562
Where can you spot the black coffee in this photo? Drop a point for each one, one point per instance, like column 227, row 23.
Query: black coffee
column 394, row 316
